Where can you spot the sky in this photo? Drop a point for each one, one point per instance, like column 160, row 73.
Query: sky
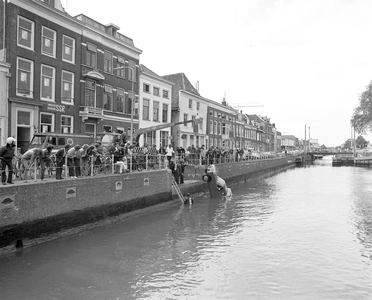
column 302, row 63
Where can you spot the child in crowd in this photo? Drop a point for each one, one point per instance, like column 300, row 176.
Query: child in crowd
column 123, row 164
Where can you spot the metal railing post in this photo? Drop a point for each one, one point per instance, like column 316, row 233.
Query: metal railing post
column 66, row 174
column 35, row 167
column 91, row 165
column 112, row 164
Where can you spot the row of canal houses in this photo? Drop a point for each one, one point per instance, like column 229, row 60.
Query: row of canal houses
column 72, row 74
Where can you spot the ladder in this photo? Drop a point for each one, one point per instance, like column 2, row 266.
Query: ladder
column 179, row 193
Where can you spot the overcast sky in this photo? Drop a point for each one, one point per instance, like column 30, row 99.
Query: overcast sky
column 304, row 61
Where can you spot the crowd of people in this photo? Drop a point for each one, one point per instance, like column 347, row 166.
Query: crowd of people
column 83, row 160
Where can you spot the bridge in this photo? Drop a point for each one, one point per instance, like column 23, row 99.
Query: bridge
column 324, row 153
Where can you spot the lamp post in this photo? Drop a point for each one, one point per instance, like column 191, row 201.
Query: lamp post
column 132, row 102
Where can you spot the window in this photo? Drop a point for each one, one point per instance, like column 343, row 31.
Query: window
column 68, row 49
column 146, row 88
column 210, row 126
column 91, row 56
column 201, row 124
column 149, row 138
column 135, row 108
column 164, row 135
column 120, row 64
column 107, row 98
column 67, row 87
column 107, row 128
column 90, row 129
column 107, row 63
column 185, row 116
column 131, row 70
column 128, row 104
column 146, row 109
column 120, row 96
column 90, row 93
column 66, row 124
column 215, row 127
column 156, row 111
column 190, row 103
column 24, row 117
column 25, row 77
column 165, row 94
column 25, row 31
column 156, row 91
column 197, row 105
column 211, row 113
column 48, row 42
column 46, row 122
column 165, row 113
column 47, row 83
column 219, row 128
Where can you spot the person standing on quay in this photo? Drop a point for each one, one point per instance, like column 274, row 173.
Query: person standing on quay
column 46, row 160
column 60, row 158
column 6, row 156
column 71, row 155
column 170, row 153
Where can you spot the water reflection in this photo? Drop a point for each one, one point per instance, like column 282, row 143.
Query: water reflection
column 301, row 234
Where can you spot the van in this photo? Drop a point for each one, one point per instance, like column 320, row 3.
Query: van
column 59, row 140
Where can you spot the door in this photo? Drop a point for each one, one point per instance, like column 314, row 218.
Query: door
column 23, row 138
column 24, row 126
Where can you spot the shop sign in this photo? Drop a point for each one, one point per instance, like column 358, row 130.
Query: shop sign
column 56, row 107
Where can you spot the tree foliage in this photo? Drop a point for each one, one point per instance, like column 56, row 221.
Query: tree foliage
column 360, row 143
column 361, row 119
column 347, row 144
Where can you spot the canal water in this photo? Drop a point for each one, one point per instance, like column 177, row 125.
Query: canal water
column 305, row 233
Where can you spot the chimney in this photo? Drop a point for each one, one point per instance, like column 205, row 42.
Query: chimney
column 197, row 86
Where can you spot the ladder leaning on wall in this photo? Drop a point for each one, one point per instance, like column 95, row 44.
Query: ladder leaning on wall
column 179, row 193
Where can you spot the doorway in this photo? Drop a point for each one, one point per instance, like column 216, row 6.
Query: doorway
column 23, row 138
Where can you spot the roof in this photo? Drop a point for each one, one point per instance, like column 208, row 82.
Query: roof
column 288, row 136
column 181, row 82
column 146, row 70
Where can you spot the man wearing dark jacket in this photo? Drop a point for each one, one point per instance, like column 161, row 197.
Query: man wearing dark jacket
column 6, row 156
column 60, row 158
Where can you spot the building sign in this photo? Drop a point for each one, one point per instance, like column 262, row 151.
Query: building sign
column 56, row 107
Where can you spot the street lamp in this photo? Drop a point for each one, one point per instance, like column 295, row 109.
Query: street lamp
column 132, row 102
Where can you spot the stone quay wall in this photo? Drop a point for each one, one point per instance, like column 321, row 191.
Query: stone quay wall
column 34, row 210
column 240, row 171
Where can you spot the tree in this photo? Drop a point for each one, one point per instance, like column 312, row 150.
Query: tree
column 347, row 144
column 360, row 142
column 361, row 119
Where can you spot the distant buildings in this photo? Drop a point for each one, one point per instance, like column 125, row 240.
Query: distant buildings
column 60, row 73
